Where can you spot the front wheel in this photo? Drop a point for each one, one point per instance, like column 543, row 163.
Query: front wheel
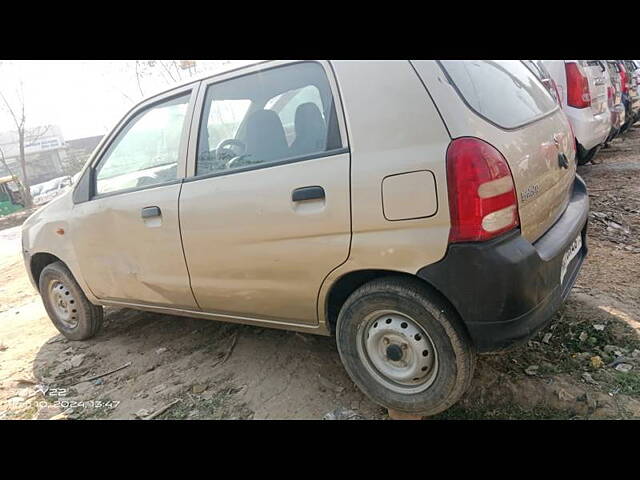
column 404, row 347
column 66, row 304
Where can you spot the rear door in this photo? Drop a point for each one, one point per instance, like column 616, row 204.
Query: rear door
column 504, row 103
column 265, row 212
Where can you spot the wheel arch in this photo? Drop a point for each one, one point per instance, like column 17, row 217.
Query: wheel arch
column 38, row 262
column 348, row 283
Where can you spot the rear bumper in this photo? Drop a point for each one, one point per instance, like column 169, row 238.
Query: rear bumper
column 617, row 120
column 590, row 130
column 507, row 289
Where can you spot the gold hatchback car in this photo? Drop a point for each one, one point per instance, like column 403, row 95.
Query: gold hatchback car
column 420, row 211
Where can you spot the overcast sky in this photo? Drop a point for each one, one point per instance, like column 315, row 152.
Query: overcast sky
column 84, row 98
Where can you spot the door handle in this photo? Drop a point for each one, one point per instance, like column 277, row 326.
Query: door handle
column 307, row 193
column 148, row 212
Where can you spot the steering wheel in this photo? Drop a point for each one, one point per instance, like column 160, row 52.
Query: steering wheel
column 223, row 152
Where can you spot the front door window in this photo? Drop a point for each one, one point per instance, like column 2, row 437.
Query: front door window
column 146, row 151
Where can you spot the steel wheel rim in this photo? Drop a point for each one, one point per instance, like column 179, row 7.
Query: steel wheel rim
column 63, row 304
column 397, row 351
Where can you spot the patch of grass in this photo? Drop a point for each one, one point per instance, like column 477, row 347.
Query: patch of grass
column 569, row 335
column 503, row 412
column 629, row 383
column 220, row 406
column 28, row 413
column 46, row 372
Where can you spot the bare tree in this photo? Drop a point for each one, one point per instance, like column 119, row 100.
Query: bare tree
column 170, row 71
column 17, row 114
column 138, row 77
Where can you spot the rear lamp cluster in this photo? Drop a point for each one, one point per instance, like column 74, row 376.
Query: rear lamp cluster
column 482, row 196
column 578, row 95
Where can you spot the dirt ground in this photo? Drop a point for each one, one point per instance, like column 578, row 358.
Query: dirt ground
column 585, row 365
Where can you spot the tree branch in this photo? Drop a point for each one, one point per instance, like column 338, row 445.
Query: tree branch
column 32, row 137
column 167, row 70
column 11, row 112
column 138, row 78
column 177, row 69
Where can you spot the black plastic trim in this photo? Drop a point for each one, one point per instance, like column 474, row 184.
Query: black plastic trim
column 150, row 212
column 508, row 288
column 82, row 191
column 315, row 192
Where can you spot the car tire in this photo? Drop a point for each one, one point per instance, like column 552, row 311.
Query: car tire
column 67, row 305
column 587, row 157
column 389, row 317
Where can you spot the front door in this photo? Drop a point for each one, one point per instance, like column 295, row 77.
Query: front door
column 127, row 235
column 265, row 216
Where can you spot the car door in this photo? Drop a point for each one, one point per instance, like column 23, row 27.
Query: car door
column 125, row 231
column 265, row 216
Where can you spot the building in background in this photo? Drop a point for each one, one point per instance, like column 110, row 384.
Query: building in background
column 45, row 155
column 49, row 156
column 78, row 152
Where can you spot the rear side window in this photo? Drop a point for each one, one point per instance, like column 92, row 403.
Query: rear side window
column 505, row 92
column 268, row 117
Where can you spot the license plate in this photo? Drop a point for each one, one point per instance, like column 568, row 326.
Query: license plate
column 569, row 255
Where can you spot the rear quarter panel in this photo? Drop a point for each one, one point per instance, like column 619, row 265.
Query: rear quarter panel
column 393, row 128
column 530, row 151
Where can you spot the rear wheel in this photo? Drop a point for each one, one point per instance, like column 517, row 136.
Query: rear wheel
column 404, row 347
column 587, row 157
column 66, row 304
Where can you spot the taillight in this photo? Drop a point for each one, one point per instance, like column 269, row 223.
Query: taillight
column 578, row 95
column 623, row 80
column 482, row 196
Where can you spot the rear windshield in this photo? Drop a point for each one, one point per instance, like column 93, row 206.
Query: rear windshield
column 505, row 92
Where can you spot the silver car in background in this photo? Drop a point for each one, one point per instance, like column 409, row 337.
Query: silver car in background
column 45, row 192
column 582, row 88
column 614, row 98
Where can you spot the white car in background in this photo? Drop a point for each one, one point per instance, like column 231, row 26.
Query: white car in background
column 582, row 89
column 45, row 192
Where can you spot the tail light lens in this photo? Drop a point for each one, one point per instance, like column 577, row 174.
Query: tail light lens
column 623, row 79
column 578, row 95
column 482, row 196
